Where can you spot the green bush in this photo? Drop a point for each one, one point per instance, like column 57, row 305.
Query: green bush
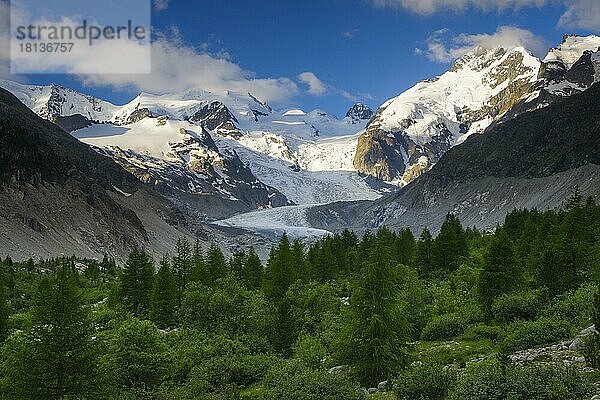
column 310, row 351
column 574, row 306
column 483, row 331
column 221, row 374
column 296, row 381
column 446, row 326
column 490, row 380
column 425, row 382
column 514, row 306
column 591, row 350
column 527, row 334
column 471, row 312
column 228, row 309
column 189, row 349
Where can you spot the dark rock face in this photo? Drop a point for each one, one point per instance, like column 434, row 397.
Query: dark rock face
column 573, row 81
column 359, row 112
column 217, row 117
column 582, row 72
column 553, row 71
column 138, row 115
column 73, row 122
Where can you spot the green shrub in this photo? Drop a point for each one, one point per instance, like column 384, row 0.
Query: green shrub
column 591, row 350
column 491, row 380
column 446, row 326
column 189, row 349
column 514, row 306
column 472, row 312
column 19, row 321
column 483, row 331
column 310, row 351
column 527, row 334
column 425, row 382
column 228, row 309
column 574, row 306
column 218, row 374
column 296, row 381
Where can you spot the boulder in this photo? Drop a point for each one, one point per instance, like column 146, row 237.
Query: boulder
column 338, row 369
column 578, row 343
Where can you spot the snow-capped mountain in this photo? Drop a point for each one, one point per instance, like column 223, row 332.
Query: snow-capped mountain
column 409, row 133
column 196, row 145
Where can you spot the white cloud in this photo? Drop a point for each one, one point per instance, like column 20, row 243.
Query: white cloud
column 177, row 67
column 582, row 14
column 350, row 34
column 315, row 86
column 427, row 7
column 444, row 49
column 160, row 5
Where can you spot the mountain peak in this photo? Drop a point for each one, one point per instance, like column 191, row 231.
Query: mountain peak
column 572, row 48
column 359, row 112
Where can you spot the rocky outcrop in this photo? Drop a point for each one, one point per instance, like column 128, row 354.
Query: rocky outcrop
column 394, row 156
column 71, row 123
column 138, row 115
column 359, row 112
column 217, row 117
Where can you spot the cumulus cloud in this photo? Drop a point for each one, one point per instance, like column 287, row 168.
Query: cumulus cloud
column 316, row 87
column 177, row 67
column 582, row 14
column 442, row 47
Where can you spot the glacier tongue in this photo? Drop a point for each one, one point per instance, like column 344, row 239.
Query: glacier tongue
column 273, row 223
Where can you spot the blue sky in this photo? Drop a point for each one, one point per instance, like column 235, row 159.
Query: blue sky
column 352, row 50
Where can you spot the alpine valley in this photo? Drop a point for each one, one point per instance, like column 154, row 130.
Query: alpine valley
column 477, row 141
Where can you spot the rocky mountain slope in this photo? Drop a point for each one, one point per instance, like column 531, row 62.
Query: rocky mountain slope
column 58, row 196
column 410, row 133
column 533, row 160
